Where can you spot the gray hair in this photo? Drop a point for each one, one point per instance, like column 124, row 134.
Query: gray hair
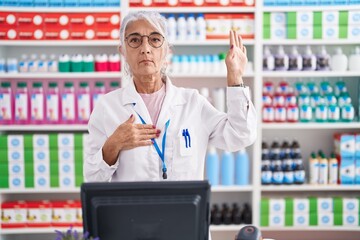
column 157, row 21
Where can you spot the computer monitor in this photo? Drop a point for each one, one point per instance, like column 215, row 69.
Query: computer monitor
column 176, row 210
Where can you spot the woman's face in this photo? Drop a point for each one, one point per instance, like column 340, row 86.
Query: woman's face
column 144, row 60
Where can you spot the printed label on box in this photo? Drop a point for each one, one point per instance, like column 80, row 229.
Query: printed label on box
column 325, row 219
column 325, row 205
column 277, row 220
column 41, row 141
column 301, row 219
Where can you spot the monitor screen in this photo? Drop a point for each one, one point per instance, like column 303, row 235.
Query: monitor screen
column 174, row 210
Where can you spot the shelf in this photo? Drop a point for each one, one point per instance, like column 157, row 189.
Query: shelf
column 312, row 125
column 310, row 8
column 40, row 191
column 42, row 43
column 92, row 9
column 219, row 42
column 311, row 228
column 302, row 74
column 94, row 75
column 204, row 76
column 310, row 188
column 37, row 230
column 45, row 127
column 222, row 228
column 336, row 42
column 215, row 189
column 178, row 9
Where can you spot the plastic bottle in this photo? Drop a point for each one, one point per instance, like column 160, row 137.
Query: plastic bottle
column 314, row 169
column 333, row 113
column 295, row 148
column 83, row 103
column 287, row 163
column 242, row 168
column 324, row 169
column 88, row 63
column 53, row 64
column 64, row 63
column 305, row 113
column 265, row 149
column 171, row 28
column 37, row 103
column 227, row 174
column 340, row 87
column 266, row 173
column 295, row 60
column 43, row 64
column 321, row 113
column 339, row 61
column 247, row 214
column 97, row 93
column 281, row 60
column 22, row 103
column 354, row 60
column 2, row 65
column 68, row 103
column 275, row 148
column 76, row 63
column 114, row 86
column 12, row 65
column 309, row 60
column 347, row 113
column 285, row 148
column 299, row 169
column 6, row 104
column 268, row 60
column 181, row 28
column 333, row 169
column 23, row 64
column 200, row 27
column 278, row 174
column 191, row 27
column 114, row 62
column 52, row 104
column 323, row 60
column 212, row 166
column 101, row 63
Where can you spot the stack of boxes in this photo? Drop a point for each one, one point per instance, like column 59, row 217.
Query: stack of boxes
column 312, row 25
column 41, row 161
column 311, row 211
column 347, row 150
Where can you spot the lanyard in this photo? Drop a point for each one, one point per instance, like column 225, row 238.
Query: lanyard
column 160, row 153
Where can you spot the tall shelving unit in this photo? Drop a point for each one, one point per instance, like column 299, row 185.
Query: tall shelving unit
column 309, row 134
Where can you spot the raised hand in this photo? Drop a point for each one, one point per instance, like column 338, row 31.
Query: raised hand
column 236, row 59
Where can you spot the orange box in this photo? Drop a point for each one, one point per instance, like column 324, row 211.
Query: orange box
column 39, row 213
column 30, row 19
column 29, row 33
column 13, row 214
column 8, row 33
column 8, row 18
column 56, row 20
column 63, row 213
column 56, row 33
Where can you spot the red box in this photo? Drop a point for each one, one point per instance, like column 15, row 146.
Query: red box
column 8, row 33
column 63, row 213
column 30, row 19
column 56, row 20
column 107, row 33
column 39, row 213
column 13, row 214
column 56, row 33
column 136, row 3
column 8, row 18
column 82, row 33
column 186, row 3
column 245, row 3
column 212, row 3
column 82, row 19
column 30, row 33
column 107, row 19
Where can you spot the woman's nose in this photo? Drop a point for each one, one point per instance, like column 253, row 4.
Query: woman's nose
column 145, row 46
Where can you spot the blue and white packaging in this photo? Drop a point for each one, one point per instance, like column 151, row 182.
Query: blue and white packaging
column 301, row 219
column 301, row 205
column 304, row 18
column 351, row 219
column 354, row 32
column 325, row 205
column 277, row 220
column 41, row 141
column 16, row 169
column 84, row 3
column 278, row 18
column 65, row 140
column 15, row 141
column 278, row 32
column 347, row 170
column 276, row 206
column 330, row 18
column 41, row 155
column 325, row 219
column 66, row 181
column 15, row 156
column 41, row 169
column 16, row 182
column 304, row 32
column 55, row 3
column 330, row 32
column 354, row 17
column 41, row 181
column 25, row 3
column 351, row 205
column 345, row 145
column 66, row 155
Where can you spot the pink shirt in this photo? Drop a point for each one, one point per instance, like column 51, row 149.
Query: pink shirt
column 153, row 102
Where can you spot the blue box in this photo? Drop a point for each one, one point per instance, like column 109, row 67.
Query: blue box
column 11, row 3
column 354, row 2
column 55, row 3
column 114, row 3
column 84, row 3
column 297, row 2
column 325, row 2
column 340, row 2
column 357, row 170
column 70, row 3
column 40, row 3
column 283, row 2
column 310, row 2
column 26, row 3
column 345, row 145
column 347, row 170
column 100, row 3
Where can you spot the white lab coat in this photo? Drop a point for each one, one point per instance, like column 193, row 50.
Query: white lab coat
column 186, row 109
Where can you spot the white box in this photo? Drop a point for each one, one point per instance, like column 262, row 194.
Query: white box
column 351, row 219
column 330, row 18
column 278, row 32
column 16, row 181
column 278, row 18
column 325, row 205
column 16, row 141
column 277, row 220
column 350, row 205
column 304, row 18
column 66, row 155
column 353, row 32
column 66, row 168
column 41, row 141
column 301, row 219
column 276, row 206
column 304, row 32
column 41, row 168
column 16, row 168
column 301, row 205
column 15, row 155
column 330, row 32
column 325, row 219
column 65, row 140
column 354, row 17
column 67, row 181
column 41, row 155
column 42, row 181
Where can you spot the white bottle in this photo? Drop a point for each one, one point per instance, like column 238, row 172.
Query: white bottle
column 33, row 63
column 323, row 60
column 53, row 63
column 171, row 27
column 268, row 60
column 354, row 60
column 200, row 27
column 339, row 61
column 181, row 28
column 295, row 60
column 191, row 27
column 309, row 60
column 43, row 64
column 23, row 64
column 281, row 60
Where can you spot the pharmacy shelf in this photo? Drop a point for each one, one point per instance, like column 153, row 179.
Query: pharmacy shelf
column 44, row 127
column 37, row 230
column 336, row 42
column 222, row 228
column 91, row 75
column 312, row 125
column 311, row 188
column 200, row 9
column 219, row 189
column 70, row 43
column 40, row 191
column 310, row 8
column 212, row 42
column 96, row 9
column 312, row 74
column 311, row 228
column 205, row 76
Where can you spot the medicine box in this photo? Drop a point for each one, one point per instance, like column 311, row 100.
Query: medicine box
column 301, row 219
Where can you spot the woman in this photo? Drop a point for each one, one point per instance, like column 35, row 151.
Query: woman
column 151, row 130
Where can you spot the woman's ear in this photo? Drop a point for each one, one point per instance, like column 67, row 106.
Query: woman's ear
column 121, row 50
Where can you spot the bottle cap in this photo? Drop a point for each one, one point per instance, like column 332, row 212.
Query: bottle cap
column 21, row 84
column 76, row 58
column 267, row 51
column 5, row 84
column 281, row 50
column 101, row 58
column 84, row 84
column 294, row 51
column 308, row 50
column 115, row 57
column 37, row 84
column 99, row 84
column 68, row 84
column 52, row 85
column 114, row 84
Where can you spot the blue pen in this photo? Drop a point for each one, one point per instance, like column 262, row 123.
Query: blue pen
column 188, row 134
column 184, row 135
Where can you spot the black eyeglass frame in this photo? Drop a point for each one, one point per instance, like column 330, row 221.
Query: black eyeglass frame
column 148, row 37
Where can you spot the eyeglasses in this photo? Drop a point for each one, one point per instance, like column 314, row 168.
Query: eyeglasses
column 155, row 40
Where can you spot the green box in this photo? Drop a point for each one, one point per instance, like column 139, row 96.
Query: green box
column 266, row 32
column 264, row 206
column 78, row 141
column 291, row 19
column 291, row 32
column 317, row 33
column 28, row 141
column 53, row 141
column 266, row 19
column 338, row 219
column 313, row 205
column 338, row 205
column 264, row 220
column 4, row 182
column 79, row 180
column 313, row 219
column 343, row 31
column 4, row 158
column 317, row 18
column 3, row 142
column 343, row 18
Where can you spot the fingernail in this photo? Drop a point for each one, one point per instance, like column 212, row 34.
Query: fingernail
column 131, row 115
column 154, row 126
column 158, row 134
column 158, row 131
column 232, row 46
